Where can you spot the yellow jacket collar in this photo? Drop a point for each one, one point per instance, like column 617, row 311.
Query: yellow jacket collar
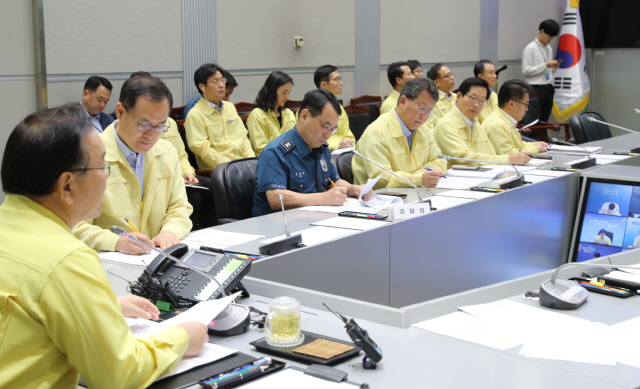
column 113, row 151
column 14, row 201
column 507, row 118
column 395, row 129
column 206, row 108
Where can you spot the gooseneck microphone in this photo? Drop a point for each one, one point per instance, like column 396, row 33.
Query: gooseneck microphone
column 578, row 165
column 291, row 242
column 515, row 182
column 124, row 234
column 560, row 293
column 636, row 150
column 503, row 67
column 420, row 199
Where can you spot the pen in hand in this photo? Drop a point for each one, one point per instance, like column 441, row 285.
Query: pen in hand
column 334, row 185
column 532, row 156
column 426, row 168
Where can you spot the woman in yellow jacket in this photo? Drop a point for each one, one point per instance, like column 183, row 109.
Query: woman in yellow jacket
column 271, row 118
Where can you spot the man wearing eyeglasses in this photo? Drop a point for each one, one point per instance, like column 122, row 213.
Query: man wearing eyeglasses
column 398, row 74
column 459, row 134
column 297, row 164
column 401, row 141
column 327, row 77
column 486, row 70
column 215, row 132
column 146, row 184
column 513, row 103
column 443, row 77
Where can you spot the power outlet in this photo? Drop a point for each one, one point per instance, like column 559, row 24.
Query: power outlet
column 298, row 41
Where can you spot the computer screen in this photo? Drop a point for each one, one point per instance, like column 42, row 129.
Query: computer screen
column 609, row 219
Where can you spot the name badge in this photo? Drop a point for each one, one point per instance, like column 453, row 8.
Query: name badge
column 231, row 120
column 546, row 75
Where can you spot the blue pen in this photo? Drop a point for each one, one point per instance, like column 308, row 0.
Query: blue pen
column 432, row 170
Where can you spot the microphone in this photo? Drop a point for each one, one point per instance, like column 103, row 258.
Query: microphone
column 579, row 165
column 420, row 199
column 636, row 150
column 291, row 242
column 503, row 67
column 124, row 234
column 560, row 293
column 515, row 182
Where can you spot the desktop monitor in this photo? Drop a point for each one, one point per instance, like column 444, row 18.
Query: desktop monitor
column 608, row 220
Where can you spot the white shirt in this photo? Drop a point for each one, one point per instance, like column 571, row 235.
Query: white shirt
column 513, row 121
column 534, row 68
column 467, row 122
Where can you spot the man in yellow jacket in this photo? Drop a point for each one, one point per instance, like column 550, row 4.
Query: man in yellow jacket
column 513, row 102
column 146, row 184
column 459, row 134
column 215, row 132
column 486, row 70
column 443, row 77
column 401, row 142
column 327, row 77
column 398, row 74
column 59, row 315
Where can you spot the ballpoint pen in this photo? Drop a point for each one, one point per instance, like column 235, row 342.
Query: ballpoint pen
column 443, row 176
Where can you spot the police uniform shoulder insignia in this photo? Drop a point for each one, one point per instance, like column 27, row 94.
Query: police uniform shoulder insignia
column 287, row 145
column 323, row 165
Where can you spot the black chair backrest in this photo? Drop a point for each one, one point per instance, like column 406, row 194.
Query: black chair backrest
column 609, row 234
column 358, row 123
column 232, row 183
column 594, row 131
column 577, row 129
column 343, row 166
column 183, row 136
column 533, row 113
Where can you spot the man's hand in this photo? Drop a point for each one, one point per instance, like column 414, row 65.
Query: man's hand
column 190, row 179
column 135, row 307
column 431, row 178
column 127, row 246
column 542, row 146
column 334, row 196
column 552, row 64
column 520, row 158
column 165, row 239
column 344, row 143
column 355, row 190
column 198, row 336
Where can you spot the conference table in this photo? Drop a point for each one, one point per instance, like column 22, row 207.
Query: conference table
column 407, row 271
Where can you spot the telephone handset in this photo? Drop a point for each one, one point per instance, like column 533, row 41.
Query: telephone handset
column 166, row 280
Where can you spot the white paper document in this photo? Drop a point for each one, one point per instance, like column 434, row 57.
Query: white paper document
column 521, row 169
column 452, row 182
column 573, row 150
column 549, row 173
column 467, row 194
column 535, row 179
column 467, row 327
column 487, row 174
column 353, row 205
column 220, row 239
column 316, row 235
column 342, row 151
column 138, row 260
column 350, row 223
column 626, row 341
column 535, row 162
column 210, row 353
column 443, row 202
column 294, row 379
column 376, row 201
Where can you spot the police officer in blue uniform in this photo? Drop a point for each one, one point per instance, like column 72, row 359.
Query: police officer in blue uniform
column 298, row 165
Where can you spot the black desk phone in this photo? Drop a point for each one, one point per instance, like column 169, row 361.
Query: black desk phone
column 178, row 284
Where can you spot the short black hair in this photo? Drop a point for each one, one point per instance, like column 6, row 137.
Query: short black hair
column 322, row 74
column 466, row 85
column 202, row 74
column 478, row 68
column 512, row 90
column 231, row 81
column 268, row 94
column 140, row 73
column 151, row 87
column 395, row 71
column 550, row 27
column 413, row 64
column 602, row 231
column 94, row 82
column 434, row 71
column 413, row 88
column 44, row 145
column 315, row 100
column 612, row 206
column 596, row 255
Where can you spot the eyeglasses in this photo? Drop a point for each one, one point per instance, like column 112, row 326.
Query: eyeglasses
column 106, row 168
column 525, row 104
column 423, row 110
column 477, row 101
column 418, row 72
column 218, row 80
column 149, row 127
column 327, row 127
column 336, row 79
column 448, row 75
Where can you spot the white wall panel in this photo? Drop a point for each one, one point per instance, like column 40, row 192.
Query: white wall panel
column 16, row 42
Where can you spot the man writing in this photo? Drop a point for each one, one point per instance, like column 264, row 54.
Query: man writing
column 59, row 315
column 146, row 184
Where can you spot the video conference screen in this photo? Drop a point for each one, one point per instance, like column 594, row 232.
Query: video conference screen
column 609, row 220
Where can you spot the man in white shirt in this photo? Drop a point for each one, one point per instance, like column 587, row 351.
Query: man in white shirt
column 538, row 66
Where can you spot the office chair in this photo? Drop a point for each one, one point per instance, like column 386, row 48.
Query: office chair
column 232, row 184
column 343, row 166
column 359, row 119
column 577, row 129
column 592, row 130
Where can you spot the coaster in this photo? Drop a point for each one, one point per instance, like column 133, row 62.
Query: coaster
column 322, row 348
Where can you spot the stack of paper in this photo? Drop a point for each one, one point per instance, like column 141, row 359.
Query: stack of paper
column 316, row 235
column 460, row 182
column 218, row 238
column 137, row 260
column 573, row 150
column 480, row 173
column 377, row 201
